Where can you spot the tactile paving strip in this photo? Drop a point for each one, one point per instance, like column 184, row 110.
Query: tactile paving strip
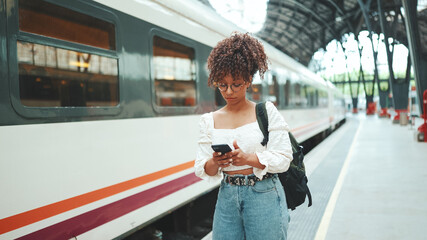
column 305, row 220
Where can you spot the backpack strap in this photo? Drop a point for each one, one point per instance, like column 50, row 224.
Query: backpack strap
column 294, row 142
column 262, row 119
column 307, row 191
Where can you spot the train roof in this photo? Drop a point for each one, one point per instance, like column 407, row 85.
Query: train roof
column 195, row 20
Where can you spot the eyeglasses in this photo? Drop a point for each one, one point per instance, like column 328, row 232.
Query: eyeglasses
column 235, row 87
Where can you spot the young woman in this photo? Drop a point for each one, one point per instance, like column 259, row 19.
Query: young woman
column 251, row 202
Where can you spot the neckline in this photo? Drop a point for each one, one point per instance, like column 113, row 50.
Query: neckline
column 244, row 125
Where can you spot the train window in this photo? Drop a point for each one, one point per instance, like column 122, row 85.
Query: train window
column 43, row 18
column 297, row 99
column 174, row 71
column 255, row 90
column 311, row 96
column 304, row 96
column 323, row 98
column 287, row 93
column 273, row 89
column 316, row 98
column 56, row 77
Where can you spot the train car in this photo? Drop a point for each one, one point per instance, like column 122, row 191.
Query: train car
column 99, row 109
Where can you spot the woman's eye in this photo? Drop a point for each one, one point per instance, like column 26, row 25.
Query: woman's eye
column 237, row 85
column 222, row 85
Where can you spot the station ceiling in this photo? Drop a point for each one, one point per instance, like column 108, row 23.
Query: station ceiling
column 301, row 27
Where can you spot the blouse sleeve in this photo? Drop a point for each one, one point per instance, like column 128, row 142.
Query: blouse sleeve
column 278, row 154
column 204, row 150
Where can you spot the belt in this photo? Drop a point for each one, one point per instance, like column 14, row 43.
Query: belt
column 248, row 180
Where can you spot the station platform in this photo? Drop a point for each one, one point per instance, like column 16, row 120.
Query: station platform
column 367, row 180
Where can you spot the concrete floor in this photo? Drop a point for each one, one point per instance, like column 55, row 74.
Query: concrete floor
column 383, row 193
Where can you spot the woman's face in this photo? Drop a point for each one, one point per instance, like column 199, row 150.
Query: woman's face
column 233, row 90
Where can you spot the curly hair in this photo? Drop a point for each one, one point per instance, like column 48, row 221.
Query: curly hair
column 239, row 55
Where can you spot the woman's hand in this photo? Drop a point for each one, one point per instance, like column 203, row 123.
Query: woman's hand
column 236, row 157
column 240, row 158
column 222, row 160
column 217, row 161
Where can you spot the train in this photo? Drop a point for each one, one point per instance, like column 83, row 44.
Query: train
column 99, row 108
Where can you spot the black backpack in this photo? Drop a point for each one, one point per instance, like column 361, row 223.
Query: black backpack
column 294, row 180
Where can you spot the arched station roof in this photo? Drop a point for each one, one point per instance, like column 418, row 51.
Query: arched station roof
column 301, row 27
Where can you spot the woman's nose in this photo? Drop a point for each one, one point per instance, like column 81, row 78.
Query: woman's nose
column 229, row 91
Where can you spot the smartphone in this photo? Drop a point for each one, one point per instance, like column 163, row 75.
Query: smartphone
column 222, row 148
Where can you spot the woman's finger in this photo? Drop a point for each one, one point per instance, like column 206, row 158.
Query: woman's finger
column 225, row 161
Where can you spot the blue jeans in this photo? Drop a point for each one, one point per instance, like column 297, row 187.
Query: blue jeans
column 251, row 212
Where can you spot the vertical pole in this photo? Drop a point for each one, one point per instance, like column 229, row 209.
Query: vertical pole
column 419, row 64
column 386, row 37
column 369, row 99
column 384, row 94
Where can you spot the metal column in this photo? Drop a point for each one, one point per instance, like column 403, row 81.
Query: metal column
column 399, row 87
column 419, row 62
column 418, row 59
column 365, row 7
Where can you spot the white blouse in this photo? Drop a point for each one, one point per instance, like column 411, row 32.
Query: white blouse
column 275, row 156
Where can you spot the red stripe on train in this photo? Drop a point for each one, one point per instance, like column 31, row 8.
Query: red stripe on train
column 87, row 221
